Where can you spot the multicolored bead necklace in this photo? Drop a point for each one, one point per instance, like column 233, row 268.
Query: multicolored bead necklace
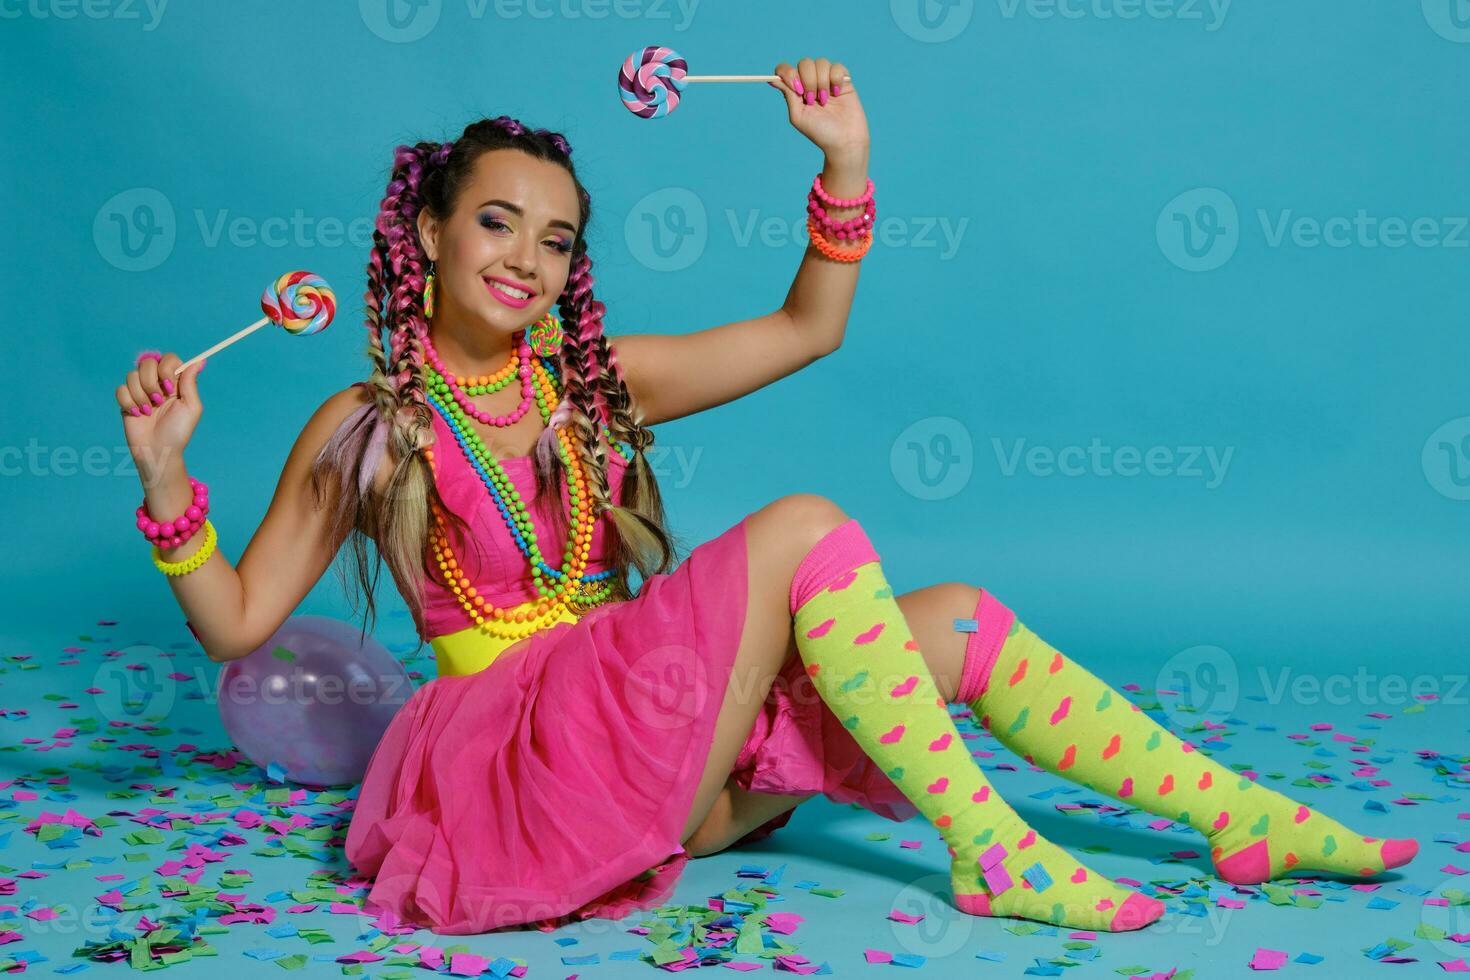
column 571, row 589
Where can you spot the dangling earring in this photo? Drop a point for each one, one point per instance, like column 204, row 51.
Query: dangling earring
column 429, row 292
column 546, row 336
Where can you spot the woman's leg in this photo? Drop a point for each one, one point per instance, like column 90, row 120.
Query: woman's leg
column 1060, row 716
column 866, row 665
column 931, row 613
column 776, row 538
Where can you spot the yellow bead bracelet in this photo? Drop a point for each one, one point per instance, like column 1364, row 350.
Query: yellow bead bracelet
column 188, row 565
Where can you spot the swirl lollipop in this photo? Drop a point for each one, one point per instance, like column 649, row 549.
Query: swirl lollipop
column 652, row 79
column 300, row 303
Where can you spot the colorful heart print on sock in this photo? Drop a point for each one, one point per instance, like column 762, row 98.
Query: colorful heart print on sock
column 1255, row 833
column 865, row 665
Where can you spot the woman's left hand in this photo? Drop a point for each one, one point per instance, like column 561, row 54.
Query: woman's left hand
column 834, row 122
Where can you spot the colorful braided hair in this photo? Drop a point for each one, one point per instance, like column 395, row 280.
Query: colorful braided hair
column 398, row 420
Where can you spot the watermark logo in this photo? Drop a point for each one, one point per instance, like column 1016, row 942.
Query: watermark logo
column 399, row 21
column 939, row 931
column 149, row 13
column 133, row 685
column 1446, row 459
column 1450, row 19
column 1099, row 459
column 668, row 229
column 1204, row 680
column 932, row 21
column 1210, row 13
column 932, row 459
column 135, row 229
column 1199, row 230
column 667, row 687
column 1444, row 920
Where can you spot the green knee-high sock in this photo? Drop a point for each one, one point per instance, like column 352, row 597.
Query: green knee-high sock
column 1060, row 716
column 864, row 663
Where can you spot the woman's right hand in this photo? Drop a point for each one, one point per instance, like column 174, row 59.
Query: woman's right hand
column 159, row 412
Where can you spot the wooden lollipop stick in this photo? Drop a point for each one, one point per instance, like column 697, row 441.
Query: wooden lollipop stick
column 223, row 344
column 747, row 78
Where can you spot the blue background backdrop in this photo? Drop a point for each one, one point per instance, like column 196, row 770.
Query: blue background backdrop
column 1059, row 264
column 1098, row 227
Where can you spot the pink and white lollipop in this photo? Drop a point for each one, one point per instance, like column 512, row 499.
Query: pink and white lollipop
column 652, row 79
column 300, row 303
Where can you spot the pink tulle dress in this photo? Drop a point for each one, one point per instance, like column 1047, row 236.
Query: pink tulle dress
column 554, row 784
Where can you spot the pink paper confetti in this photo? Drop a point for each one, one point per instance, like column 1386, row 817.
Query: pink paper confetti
column 1267, row 959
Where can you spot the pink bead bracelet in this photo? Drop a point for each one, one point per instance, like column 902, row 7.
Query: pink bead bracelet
column 171, row 534
column 835, row 202
column 853, row 228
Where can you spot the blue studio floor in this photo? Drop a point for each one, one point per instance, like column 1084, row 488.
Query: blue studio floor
column 134, row 841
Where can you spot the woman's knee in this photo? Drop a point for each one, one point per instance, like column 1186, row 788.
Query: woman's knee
column 799, row 520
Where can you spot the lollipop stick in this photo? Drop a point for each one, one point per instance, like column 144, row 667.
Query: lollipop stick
column 747, row 78
column 223, row 343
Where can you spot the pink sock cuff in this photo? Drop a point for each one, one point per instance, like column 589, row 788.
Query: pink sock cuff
column 982, row 649
column 841, row 549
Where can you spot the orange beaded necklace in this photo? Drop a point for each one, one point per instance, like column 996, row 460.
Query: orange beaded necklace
column 574, row 592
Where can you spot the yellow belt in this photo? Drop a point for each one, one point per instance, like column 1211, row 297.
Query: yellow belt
column 471, row 650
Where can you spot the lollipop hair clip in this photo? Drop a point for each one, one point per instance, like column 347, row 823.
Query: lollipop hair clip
column 652, row 79
column 301, row 303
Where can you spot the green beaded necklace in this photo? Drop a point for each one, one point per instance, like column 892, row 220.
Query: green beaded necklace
column 508, row 499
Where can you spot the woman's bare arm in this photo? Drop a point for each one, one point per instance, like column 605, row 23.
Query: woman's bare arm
column 674, row 375
column 234, row 609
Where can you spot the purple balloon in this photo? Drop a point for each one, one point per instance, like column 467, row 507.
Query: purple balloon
column 313, row 699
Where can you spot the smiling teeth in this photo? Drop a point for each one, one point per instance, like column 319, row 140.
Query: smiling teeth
column 509, row 291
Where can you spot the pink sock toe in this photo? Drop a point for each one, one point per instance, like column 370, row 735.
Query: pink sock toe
column 1247, row 866
column 977, row 904
column 1137, row 911
column 1399, row 851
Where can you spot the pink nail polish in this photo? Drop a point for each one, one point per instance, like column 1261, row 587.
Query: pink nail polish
column 796, row 84
column 836, row 89
column 147, row 409
column 168, row 385
column 822, row 96
column 155, row 398
column 134, row 411
column 810, row 98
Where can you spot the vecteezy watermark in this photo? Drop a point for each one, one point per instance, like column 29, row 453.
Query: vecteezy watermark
column 924, row 923
column 136, row 229
column 940, row 233
column 667, row 687
column 1446, row 459
column 403, row 21
column 669, row 229
column 136, row 683
column 1444, row 916
column 35, row 459
column 1208, row 13
column 932, row 21
column 1206, row 679
column 1208, row 463
column 1450, row 19
column 932, row 459
column 1362, row 688
column 1201, row 229
column 1197, row 680
column 147, row 13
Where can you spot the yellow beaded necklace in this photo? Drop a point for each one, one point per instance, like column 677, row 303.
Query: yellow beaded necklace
column 573, row 595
